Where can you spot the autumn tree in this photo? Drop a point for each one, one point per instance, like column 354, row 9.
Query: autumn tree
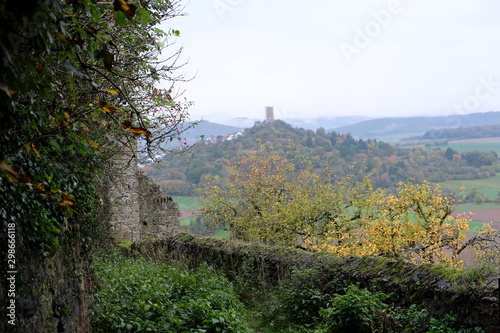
column 268, row 199
column 414, row 223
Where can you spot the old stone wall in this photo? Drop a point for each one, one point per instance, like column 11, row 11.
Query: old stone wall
column 137, row 207
column 476, row 304
column 52, row 292
column 158, row 212
column 122, row 199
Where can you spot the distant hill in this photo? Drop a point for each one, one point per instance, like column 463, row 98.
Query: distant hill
column 341, row 154
column 388, row 129
column 208, row 129
column 305, row 123
column 202, row 129
column 325, row 122
column 460, row 133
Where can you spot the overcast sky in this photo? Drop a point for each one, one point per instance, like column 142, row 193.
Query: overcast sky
column 340, row 58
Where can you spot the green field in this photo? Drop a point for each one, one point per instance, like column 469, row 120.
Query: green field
column 462, row 147
column 475, row 227
column 186, row 222
column 474, row 146
column 187, row 203
column 489, row 186
column 191, row 203
column 470, row 207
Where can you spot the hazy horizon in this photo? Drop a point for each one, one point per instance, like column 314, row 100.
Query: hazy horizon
column 337, row 58
column 327, row 122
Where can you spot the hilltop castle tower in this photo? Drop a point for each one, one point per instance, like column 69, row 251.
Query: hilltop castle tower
column 269, row 114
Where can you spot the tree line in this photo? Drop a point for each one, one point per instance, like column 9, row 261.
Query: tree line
column 389, row 164
column 486, row 131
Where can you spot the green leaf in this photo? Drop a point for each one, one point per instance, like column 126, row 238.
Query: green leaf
column 95, row 14
column 143, row 16
column 121, row 19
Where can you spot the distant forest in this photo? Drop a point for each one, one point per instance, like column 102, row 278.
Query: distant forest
column 181, row 174
column 487, row 131
column 400, row 127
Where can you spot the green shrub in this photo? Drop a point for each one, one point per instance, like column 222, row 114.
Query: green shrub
column 305, row 294
column 136, row 295
column 448, row 324
column 353, row 312
column 416, row 319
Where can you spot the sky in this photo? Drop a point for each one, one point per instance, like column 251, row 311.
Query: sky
column 334, row 58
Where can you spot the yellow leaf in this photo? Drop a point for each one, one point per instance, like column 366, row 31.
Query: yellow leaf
column 31, row 147
column 124, row 112
column 36, row 150
column 138, row 130
column 10, row 178
column 54, row 121
column 13, row 176
column 68, row 199
column 41, row 188
column 93, row 144
column 107, row 107
column 127, row 124
column 111, row 91
column 128, row 9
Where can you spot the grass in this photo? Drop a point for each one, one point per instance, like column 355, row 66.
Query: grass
column 191, row 203
column 186, row 222
column 221, row 233
column 489, row 186
column 475, row 227
column 187, row 203
column 474, row 146
column 470, row 207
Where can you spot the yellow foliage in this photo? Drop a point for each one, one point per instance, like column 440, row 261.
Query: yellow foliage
column 265, row 198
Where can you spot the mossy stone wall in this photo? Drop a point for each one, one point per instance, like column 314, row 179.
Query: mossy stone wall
column 441, row 290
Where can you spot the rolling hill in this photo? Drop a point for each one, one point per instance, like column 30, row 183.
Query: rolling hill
column 390, row 129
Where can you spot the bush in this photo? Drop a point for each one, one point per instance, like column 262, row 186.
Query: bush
column 302, row 298
column 136, row 295
column 353, row 312
column 416, row 320
column 448, row 324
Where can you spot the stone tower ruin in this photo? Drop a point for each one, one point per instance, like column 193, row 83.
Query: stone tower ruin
column 269, row 114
